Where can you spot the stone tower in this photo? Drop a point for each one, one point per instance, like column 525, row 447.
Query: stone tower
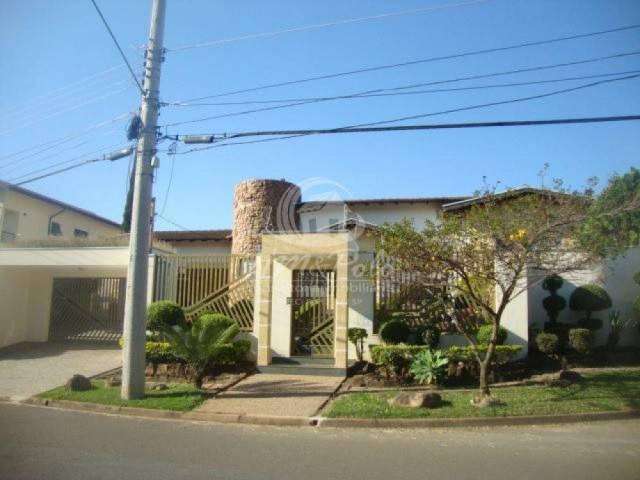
column 262, row 205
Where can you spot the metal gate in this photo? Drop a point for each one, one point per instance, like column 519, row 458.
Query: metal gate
column 87, row 309
column 312, row 312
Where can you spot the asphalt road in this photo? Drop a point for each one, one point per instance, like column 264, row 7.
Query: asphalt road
column 44, row 443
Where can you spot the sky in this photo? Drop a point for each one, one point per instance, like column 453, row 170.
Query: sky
column 62, row 78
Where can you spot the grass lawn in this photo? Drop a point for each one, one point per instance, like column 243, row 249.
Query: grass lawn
column 599, row 392
column 178, row 397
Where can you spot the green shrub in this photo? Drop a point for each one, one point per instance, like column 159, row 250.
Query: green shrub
column 589, row 298
column 428, row 366
column 427, row 335
column 548, row 343
column 395, row 331
column 157, row 352
column 484, row 335
column 356, row 337
column 163, row 314
column 552, row 283
column 590, row 323
column 581, row 340
column 561, row 330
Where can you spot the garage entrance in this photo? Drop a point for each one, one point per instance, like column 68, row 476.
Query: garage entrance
column 87, row 309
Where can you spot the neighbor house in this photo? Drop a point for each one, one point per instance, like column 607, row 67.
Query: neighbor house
column 294, row 273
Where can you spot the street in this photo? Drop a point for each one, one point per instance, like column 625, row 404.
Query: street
column 45, row 443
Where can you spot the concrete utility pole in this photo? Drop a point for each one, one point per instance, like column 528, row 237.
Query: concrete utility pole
column 133, row 356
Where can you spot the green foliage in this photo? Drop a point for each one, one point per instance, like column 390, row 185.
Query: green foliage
column 357, row 337
column 164, row 314
column 581, row 340
column 552, row 283
column 589, row 298
column 636, row 302
column 617, row 324
column 210, row 337
column 396, row 359
column 427, row 335
column 484, row 335
column 157, row 352
column 548, row 343
column 613, row 220
column 395, row 331
column 428, row 366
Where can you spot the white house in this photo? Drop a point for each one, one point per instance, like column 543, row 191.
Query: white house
column 291, row 272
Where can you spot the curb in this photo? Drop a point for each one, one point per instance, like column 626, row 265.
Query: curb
column 324, row 422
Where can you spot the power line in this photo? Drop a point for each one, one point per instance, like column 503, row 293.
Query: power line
column 419, row 61
column 417, row 92
column 115, row 40
column 181, row 227
column 403, row 87
column 166, row 195
column 254, row 36
column 441, row 126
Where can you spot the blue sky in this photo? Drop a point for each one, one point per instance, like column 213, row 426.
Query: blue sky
column 47, row 47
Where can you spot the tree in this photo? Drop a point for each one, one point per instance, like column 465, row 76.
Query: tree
column 610, row 230
column 492, row 242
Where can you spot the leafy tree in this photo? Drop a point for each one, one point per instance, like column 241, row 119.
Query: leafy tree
column 613, row 221
column 201, row 343
column 493, row 242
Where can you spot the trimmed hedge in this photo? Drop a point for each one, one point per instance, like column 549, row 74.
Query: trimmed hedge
column 395, row 331
column 157, row 352
column 164, row 313
column 548, row 343
column 581, row 340
column 589, row 298
column 382, row 353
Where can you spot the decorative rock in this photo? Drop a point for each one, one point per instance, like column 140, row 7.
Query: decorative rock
column 416, row 400
column 113, row 382
column 78, row 383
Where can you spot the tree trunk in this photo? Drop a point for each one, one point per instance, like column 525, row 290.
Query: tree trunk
column 484, row 380
column 198, row 377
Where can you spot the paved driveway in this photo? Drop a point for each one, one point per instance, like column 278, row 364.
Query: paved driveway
column 30, row 368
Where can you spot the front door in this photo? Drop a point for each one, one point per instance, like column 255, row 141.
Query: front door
column 312, row 312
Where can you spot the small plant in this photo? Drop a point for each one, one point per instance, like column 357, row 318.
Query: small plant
column 588, row 299
column 164, row 314
column 617, row 324
column 395, row 331
column 207, row 340
column 484, row 335
column 548, row 343
column 581, row 340
column 357, row 337
column 428, row 366
column 554, row 303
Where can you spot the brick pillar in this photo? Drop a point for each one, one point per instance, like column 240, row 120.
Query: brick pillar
column 264, row 310
column 341, row 344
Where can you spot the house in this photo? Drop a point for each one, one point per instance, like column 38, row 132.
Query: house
column 294, row 274
column 29, row 216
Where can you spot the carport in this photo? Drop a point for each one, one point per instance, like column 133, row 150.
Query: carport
column 62, row 294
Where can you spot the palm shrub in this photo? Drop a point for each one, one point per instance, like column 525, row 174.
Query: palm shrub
column 428, row 366
column 208, row 338
column 581, row 340
column 554, row 303
column 588, row 299
column 357, row 336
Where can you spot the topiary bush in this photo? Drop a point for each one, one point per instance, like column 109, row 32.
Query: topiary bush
column 395, row 331
column 581, row 340
column 164, row 314
column 548, row 343
column 554, row 303
column 427, row 335
column 484, row 335
column 356, row 337
column 588, row 299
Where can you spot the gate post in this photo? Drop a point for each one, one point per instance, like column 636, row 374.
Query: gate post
column 264, row 281
column 342, row 311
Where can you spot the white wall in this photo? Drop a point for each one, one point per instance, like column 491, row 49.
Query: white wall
column 616, row 276
column 376, row 214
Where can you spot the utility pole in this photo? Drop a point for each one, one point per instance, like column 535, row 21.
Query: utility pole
column 133, row 355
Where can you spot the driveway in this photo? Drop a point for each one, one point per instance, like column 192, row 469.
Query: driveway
column 30, row 368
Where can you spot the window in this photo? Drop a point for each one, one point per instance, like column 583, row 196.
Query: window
column 313, row 225
column 80, row 233
column 55, row 229
column 333, row 224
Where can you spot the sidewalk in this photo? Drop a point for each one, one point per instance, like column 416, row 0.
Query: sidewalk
column 274, row 395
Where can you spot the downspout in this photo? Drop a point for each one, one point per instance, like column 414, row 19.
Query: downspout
column 51, row 217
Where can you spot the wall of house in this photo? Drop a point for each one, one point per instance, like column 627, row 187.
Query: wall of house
column 376, row 214
column 202, row 248
column 33, row 219
column 616, row 276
